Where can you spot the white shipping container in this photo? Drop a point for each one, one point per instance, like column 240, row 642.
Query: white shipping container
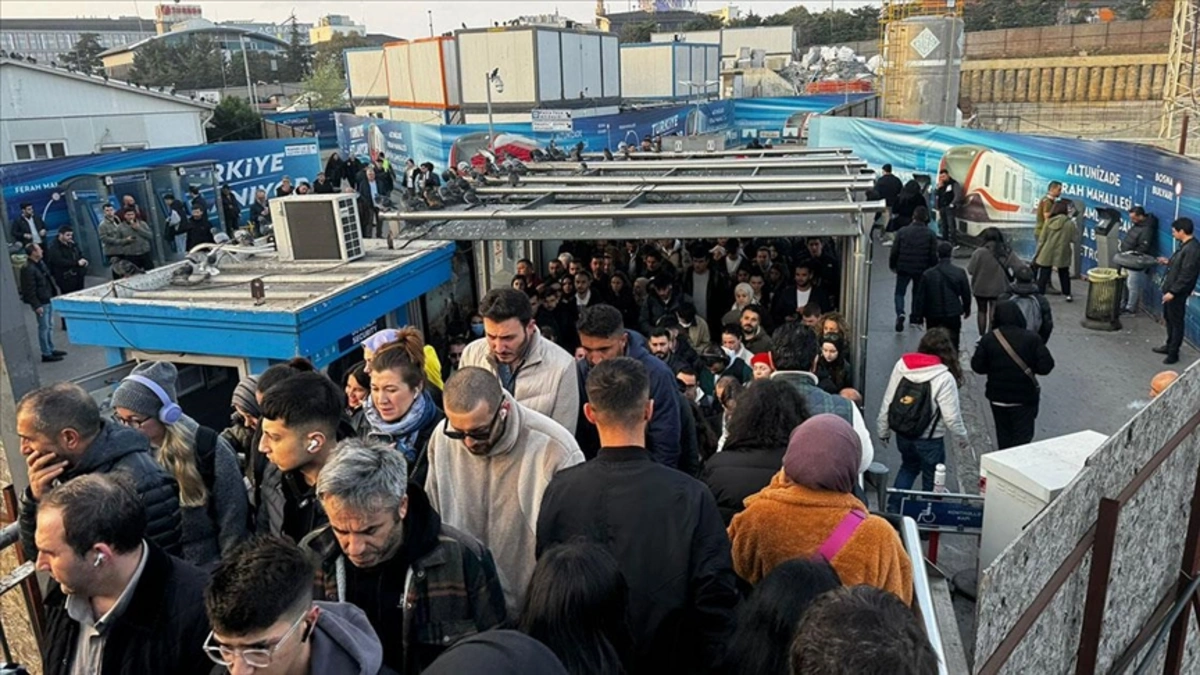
column 662, row 70
column 539, row 66
column 418, row 74
column 366, row 73
column 711, row 37
column 774, row 40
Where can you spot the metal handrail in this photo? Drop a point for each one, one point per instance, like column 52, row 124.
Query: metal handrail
column 922, row 595
column 9, row 535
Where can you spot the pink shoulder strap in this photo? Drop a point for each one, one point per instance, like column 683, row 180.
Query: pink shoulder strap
column 841, row 534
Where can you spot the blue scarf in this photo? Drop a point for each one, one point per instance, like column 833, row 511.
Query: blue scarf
column 403, row 432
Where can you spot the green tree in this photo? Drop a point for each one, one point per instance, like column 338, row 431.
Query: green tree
column 193, row 63
column 234, row 120
column 85, row 55
column 998, row 14
column 331, row 50
column 633, row 33
column 705, row 22
column 298, row 63
column 325, row 88
column 751, row 20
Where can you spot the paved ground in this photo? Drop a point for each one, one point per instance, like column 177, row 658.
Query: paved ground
column 1100, row 379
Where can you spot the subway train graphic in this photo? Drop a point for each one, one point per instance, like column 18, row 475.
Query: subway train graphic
column 997, row 190
column 467, row 148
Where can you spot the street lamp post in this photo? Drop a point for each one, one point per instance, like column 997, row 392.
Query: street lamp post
column 693, row 85
column 492, row 80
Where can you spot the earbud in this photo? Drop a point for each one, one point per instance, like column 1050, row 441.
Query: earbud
column 312, row 445
column 99, row 560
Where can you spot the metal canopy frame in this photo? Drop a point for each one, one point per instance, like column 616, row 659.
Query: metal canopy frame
column 814, row 195
column 775, row 151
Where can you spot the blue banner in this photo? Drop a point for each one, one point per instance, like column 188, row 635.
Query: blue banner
column 784, row 117
column 319, row 123
column 1005, row 175
column 246, row 166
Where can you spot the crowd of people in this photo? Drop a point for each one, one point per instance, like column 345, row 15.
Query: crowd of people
column 550, row 500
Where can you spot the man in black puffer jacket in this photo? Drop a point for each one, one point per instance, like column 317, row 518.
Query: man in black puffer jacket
column 943, row 298
column 64, row 437
column 914, row 252
column 1013, row 390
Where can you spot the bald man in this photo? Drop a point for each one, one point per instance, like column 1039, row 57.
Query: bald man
column 1161, row 381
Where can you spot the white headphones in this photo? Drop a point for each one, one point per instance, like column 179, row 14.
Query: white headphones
column 99, row 560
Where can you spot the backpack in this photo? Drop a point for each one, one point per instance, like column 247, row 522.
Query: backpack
column 913, row 410
column 1031, row 309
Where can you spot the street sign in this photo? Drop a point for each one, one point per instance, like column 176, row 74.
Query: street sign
column 933, row 512
column 552, row 120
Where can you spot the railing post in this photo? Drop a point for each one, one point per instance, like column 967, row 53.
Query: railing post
column 1188, row 569
column 1097, row 588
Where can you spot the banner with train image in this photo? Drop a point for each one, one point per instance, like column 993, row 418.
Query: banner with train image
column 1005, row 175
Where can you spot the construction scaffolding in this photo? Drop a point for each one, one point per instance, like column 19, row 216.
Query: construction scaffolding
column 804, row 193
column 1181, row 104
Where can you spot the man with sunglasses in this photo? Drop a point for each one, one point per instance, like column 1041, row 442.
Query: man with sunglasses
column 64, row 437
column 118, row 603
column 264, row 620
column 489, row 464
column 422, row 583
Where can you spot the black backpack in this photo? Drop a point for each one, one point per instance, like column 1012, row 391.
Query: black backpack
column 913, row 410
column 206, row 462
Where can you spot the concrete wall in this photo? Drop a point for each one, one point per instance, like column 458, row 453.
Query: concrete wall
column 1134, row 77
column 1146, row 561
column 1120, row 37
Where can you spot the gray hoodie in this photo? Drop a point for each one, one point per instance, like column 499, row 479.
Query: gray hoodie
column 345, row 643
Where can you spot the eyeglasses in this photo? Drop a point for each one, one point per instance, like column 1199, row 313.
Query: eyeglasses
column 131, row 422
column 481, row 435
column 257, row 657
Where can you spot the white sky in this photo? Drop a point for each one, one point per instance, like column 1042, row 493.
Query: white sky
column 400, row 18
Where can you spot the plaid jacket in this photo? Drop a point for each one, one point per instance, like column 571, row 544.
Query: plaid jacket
column 451, row 592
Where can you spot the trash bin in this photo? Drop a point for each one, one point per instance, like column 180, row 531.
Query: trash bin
column 1106, row 291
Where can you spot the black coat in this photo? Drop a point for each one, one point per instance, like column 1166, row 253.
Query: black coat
column 20, row 229
column 733, row 475
column 914, row 251
column 114, row 449
column 682, row 589
column 1006, row 381
column 63, row 260
column 37, row 286
column 888, row 186
column 197, row 231
column 944, row 291
column 231, row 208
column 784, row 304
column 162, row 630
column 1183, row 270
column 718, row 293
column 1140, row 237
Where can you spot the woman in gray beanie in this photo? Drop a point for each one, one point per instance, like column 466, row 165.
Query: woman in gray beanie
column 212, row 495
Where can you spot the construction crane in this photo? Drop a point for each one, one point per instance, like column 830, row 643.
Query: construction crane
column 1182, row 91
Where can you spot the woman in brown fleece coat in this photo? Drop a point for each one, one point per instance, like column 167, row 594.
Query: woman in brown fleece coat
column 803, row 505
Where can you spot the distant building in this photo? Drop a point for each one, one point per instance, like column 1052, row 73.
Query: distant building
column 726, row 14
column 49, row 39
column 52, row 112
column 281, row 31
column 667, row 21
column 166, row 16
column 335, row 24
column 119, row 61
column 555, row 19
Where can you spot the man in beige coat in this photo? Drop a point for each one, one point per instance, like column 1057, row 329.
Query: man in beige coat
column 538, row 373
column 490, row 462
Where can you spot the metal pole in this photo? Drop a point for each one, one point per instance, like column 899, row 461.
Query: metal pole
column 246, row 65
column 430, row 12
column 487, row 85
column 1183, row 134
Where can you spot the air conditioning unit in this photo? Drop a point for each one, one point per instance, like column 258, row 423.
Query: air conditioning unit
column 317, row 227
